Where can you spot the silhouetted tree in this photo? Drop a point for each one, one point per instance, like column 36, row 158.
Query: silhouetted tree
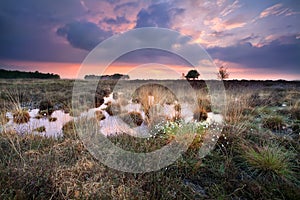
column 192, row 74
column 223, row 73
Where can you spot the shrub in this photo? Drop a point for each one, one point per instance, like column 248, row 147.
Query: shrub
column 273, row 122
column 21, row 116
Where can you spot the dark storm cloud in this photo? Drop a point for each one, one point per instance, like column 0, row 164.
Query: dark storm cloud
column 83, row 35
column 47, row 10
column 117, row 21
column 144, row 56
column 27, row 29
column 281, row 54
column 157, row 15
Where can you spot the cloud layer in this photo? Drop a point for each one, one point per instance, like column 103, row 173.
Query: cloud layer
column 251, row 34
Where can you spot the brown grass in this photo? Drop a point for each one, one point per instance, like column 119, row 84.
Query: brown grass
column 21, row 116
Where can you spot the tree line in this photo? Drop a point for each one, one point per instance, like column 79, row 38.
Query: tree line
column 6, row 74
column 107, row 77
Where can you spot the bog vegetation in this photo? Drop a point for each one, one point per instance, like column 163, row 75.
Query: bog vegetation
column 257, row 155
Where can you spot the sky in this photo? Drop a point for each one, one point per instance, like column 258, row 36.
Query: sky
column 254, row 39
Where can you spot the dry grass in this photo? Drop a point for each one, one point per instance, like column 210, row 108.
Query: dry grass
column 21, row 116
column 200, row 114
column 99, row 115
column 161, row 95
column 132, row 118
column 246, row 155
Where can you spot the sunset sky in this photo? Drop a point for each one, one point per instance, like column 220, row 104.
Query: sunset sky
column 255, row 39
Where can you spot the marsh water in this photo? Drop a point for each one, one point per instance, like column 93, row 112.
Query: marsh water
column 109, row 126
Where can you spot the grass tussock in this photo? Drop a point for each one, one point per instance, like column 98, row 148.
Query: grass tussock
column 269, row 162
column 21, row 116
column 273, row 122
column 99, row 115
column 113, row 109
column 253, row 158
column 132, row 118
column 200, row 114
column 160, row 94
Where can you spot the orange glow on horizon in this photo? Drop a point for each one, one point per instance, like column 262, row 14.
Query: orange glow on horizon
column 71, row 70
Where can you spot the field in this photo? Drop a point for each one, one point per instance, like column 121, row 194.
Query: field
column 256, row 156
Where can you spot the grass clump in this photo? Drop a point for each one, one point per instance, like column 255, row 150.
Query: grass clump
column 295, row 113
column 273, row 122
column 200, row 114
column 132, row 118
column 113, row 109
column 46, row 108
column 204, row 104
column 40, row 129
column 99, row 115
column 21, row 116
column 269, row 162
column 3, row 119
column 52, row 119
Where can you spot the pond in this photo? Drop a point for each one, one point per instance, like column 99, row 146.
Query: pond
column 109, row 124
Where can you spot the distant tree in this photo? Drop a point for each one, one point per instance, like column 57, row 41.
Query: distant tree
column 107, row 77
column 192, row 74
column 223, row 73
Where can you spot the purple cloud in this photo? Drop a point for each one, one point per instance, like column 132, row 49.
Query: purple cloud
column 83, row 35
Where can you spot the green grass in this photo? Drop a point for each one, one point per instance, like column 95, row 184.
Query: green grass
column 270, row 162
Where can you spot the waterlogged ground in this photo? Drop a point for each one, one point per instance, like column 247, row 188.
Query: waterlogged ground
column 111, row 125
column 256, row 155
